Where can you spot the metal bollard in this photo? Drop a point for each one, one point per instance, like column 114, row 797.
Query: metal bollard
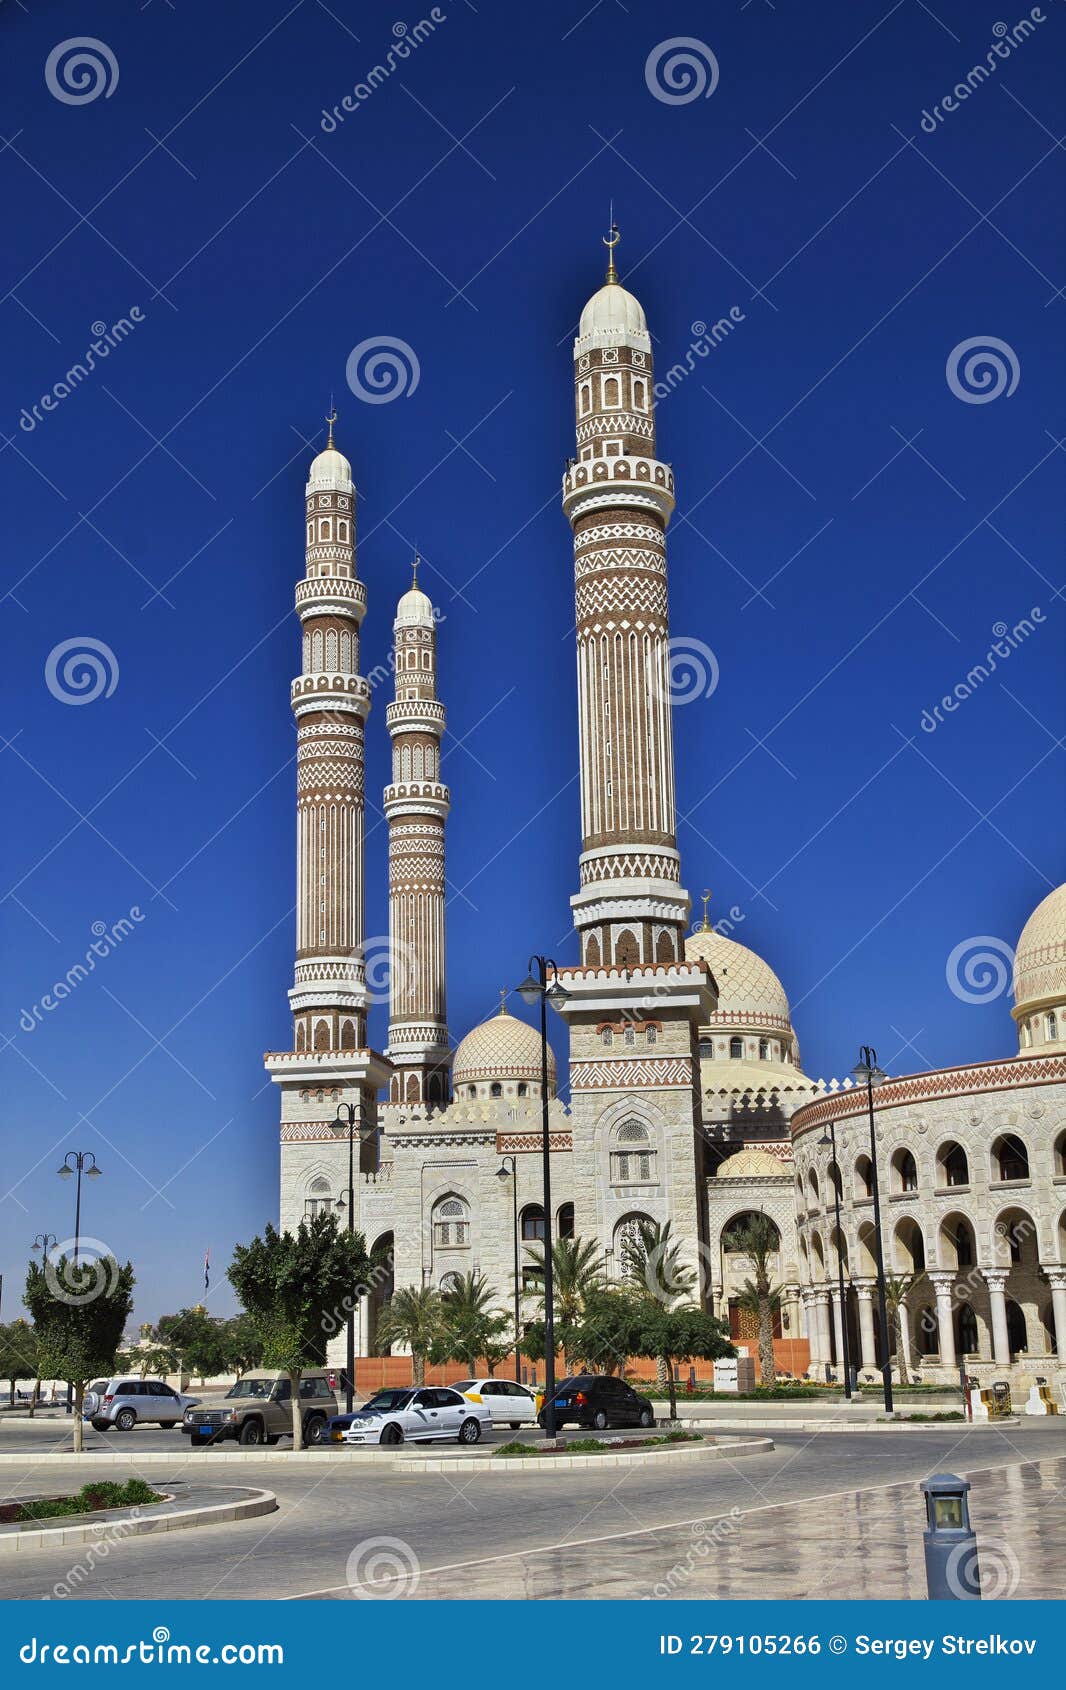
column 952, row 1569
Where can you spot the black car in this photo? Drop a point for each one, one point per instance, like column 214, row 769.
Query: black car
column 599, row 1400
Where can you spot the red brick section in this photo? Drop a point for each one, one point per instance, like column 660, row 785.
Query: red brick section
column 376, row 1373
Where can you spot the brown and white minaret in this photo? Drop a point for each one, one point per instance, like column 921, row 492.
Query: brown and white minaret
column 416, row 806
column 331, row 701
column 619, row 498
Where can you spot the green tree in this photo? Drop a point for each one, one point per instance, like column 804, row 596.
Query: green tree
column 609, row 1329
column 472, row 1326
column 18, row 1354
column 758, row 1238
column 298, row 1287
column 652, row 1266
column 243, row 1344
column 681, row 1334
column 577, row 1269
column 413, row 1316
column 197, row 1339
column 79, row 1314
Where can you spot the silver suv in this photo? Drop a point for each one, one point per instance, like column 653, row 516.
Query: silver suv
column 122, row 1402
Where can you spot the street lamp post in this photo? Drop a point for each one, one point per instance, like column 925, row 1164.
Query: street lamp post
column 536, row 987
column 830, row 1139
column 346, row 1117
column 44, row 1242
column 866, row 1069
column 83, row 1162
column 509, row 1170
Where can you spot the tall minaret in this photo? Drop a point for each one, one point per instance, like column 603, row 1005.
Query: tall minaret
column 416, row 806
column 330, row 700
column 619, row 499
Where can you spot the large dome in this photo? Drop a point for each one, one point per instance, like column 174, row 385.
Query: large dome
column 331, row 469
column 754, row 1164
column 499, row 1050
column 748, row 988
column 613, row 309
column 1040, row 960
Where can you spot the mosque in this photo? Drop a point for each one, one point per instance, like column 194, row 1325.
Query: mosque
column 688, row 1100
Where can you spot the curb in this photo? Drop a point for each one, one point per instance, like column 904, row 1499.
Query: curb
column 254, row 1503
column 347, row 1459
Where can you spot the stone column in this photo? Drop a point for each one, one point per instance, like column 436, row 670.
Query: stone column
column 814, row 1336
column 903, row 1321
column 1056, row 1278
column 821, row 1307
column 942, row 1284
column 838, row 1332
column 864, row 1290
column 996, row 1280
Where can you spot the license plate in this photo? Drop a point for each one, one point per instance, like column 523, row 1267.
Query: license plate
column 204, row 1431
column 561, row 1402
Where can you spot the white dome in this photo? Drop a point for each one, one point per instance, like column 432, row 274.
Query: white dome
column 415, row 607
column 331, row 469
column 614, row 310
column 502, row 1048
column 747, row 986
column 1040, row 959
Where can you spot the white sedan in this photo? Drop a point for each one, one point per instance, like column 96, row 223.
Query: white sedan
column 418, row 1416
column 509, row 1403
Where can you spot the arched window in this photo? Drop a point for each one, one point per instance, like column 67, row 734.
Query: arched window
column 495, row 1090
column 610, row 391
column 451, row 1224
column 630, row 1036
column 633, row 1158
column 706, row 1049
column 592, row 952
column 904, row 1171
column 531, row 1223
column 449, row 1282
column 607, row 1037
column 523, row 1089
column 966, row 1339
column 471, row 1091
column 652, row 1035
column 564, row 1220
column 627, row 1234
column 1051, row 1026
column 736, row 1049
column 626, row 951
column 953, row 1167
column 1010, row 1159
column 864, row 1180
column 812, row 1185
column 764, row 1050
column 320, row 1199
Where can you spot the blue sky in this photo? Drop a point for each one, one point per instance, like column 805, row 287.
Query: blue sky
column 852, row 525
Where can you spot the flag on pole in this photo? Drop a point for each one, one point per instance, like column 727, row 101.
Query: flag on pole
column 207, row 1269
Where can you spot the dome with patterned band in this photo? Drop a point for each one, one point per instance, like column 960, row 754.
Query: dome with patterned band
column 499, row 1050
column 746, row 984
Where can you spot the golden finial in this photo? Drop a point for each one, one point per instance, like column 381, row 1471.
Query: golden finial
column 503, row 1000
column 416, row 560
column 331, row 419
column 706, row 900
column 610, row 241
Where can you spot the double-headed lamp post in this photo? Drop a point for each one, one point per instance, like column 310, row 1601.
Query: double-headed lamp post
column 509, row 1170
column 829, row 1139
column 44, row 1242
column 79, row 1162
column 346, row 1117
column 541, row 985
column 869, row 1074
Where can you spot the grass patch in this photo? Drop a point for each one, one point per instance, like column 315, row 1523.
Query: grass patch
column 952, row 1414
column 595, row 1446
column 98, row 1494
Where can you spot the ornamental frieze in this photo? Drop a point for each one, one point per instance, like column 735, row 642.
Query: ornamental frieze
column 627, row 1073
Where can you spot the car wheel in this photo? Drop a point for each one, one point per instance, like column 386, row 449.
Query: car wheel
column 470, row 1431
column 100, row 1425
column 273, row 1437
column 314, row 1429
column 647, row 1418
column 392, row 1435
column 251, row 1433
column 541, row 1421
column 599, row 1420
column 515, row 1425
column 125, row 1420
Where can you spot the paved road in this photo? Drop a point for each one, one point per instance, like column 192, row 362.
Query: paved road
column 486, row 1532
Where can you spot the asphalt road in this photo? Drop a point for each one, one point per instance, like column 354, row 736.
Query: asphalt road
column 443, row 1534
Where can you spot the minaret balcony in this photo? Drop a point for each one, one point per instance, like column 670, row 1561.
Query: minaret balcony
column 331, row 595
column 599, row 482
column 347, row 695
column 416, row 797
column 414, row 715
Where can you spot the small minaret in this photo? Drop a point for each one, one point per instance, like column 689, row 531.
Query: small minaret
column 416, row 806
column 331, row 701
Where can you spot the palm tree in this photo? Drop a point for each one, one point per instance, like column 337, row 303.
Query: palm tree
column 758, row 1238
column 897, row 1289
column 577, row 1268
column 413, row 1317
column 472, row 1326
column 652, row 1267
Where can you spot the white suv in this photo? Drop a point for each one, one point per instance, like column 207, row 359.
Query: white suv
column 122, row 1402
